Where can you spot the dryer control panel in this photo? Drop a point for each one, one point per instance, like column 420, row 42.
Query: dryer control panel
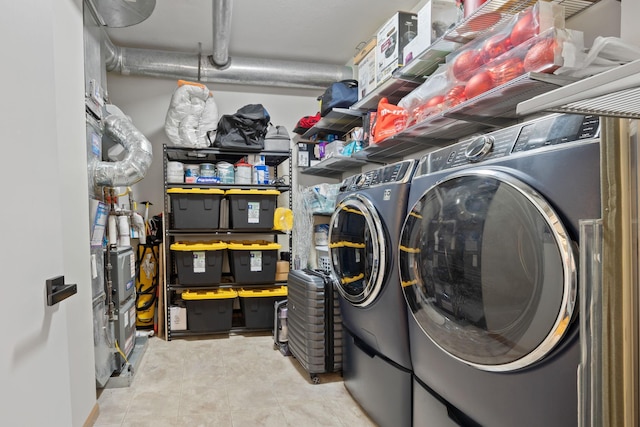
column 395, row 173
column 541, row 133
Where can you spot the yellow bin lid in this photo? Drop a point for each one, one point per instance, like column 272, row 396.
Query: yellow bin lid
column 253, row 191
column 280, row 291
column 198, row 246
column 195, row 191
column 253, row 246
column 209, row 294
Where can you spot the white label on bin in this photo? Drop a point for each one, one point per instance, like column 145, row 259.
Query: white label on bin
column 256, row 260
column 199, row 264
column 358, row 256
column 126, row 319
column 253, row 210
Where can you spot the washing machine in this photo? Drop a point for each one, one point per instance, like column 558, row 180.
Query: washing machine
column 488, row 264
column 363, row 247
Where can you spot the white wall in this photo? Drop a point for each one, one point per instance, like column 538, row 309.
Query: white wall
column 601, row 19
column 146, row 101
column 46, row 362
column 69, row 83
column 630, row 30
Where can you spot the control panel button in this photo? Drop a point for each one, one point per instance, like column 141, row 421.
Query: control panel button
column 479, row 147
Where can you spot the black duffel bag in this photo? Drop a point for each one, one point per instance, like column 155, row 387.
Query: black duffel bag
column 245, row 130
column 342, row 94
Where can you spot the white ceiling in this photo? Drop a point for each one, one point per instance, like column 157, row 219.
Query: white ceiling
column 320, row 31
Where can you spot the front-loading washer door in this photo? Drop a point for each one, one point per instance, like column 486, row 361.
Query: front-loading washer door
column 357, row 249
column 488, row 270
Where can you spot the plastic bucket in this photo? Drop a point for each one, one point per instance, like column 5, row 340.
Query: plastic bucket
column 191, row 173
column 175, row 172
column 243, row 173
column 192, row 170
column 226, row 173
column 207, row 169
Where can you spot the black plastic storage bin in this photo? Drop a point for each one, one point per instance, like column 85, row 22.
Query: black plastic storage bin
column 198, row 263
column 252, row 209
column 257, row 305
column 195, row 208
column 253, row 261
column 209, row 311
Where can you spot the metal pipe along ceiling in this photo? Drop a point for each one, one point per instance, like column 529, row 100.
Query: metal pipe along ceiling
column 221, row 32
column 244, row 71
column 222, row 68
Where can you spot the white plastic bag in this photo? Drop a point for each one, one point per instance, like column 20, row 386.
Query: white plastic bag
column 192, row 112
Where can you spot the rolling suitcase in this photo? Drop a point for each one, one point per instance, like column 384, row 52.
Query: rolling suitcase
column 314, row 322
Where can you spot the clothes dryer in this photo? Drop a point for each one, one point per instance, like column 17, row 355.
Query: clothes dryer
column 488, row 266
column 363, row 242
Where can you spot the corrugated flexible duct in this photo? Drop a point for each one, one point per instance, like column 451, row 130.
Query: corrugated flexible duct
column 242, row 71
column 138, row 156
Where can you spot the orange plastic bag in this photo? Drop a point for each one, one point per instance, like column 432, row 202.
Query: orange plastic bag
column 390, row 120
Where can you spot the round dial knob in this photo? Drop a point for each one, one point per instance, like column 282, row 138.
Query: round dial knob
column 479, row 147
column 362, row 179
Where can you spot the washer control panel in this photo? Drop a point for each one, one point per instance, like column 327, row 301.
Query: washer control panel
column 395, row 173
column 536, row 134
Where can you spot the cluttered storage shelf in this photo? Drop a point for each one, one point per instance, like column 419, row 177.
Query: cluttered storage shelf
column 493, row 107
column 227, row 242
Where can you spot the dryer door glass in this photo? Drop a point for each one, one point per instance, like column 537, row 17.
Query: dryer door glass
column 357, row 249
column 488, row 270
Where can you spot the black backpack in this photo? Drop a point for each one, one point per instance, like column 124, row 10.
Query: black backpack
column 245, row 130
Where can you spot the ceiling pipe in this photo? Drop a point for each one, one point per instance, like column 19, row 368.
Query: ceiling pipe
column 241, row 71
column 221, row 32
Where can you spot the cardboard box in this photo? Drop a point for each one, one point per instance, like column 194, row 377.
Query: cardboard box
column 371, row 45
column 434, row 19
column 367, row 76
column 392, row 37
column 178, row 318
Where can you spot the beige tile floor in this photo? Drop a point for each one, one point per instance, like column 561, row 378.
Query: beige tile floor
column 235, row 380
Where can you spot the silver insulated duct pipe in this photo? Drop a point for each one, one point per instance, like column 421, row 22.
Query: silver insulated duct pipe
column 219, row 67
column 242, row 71
column 221, row 32
column 138, row 156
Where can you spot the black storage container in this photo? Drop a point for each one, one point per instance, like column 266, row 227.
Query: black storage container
column 198, row 263
column 195, row 208
column 257, row 305
column 209, row 311
column 253, row 261
column 252, row 209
